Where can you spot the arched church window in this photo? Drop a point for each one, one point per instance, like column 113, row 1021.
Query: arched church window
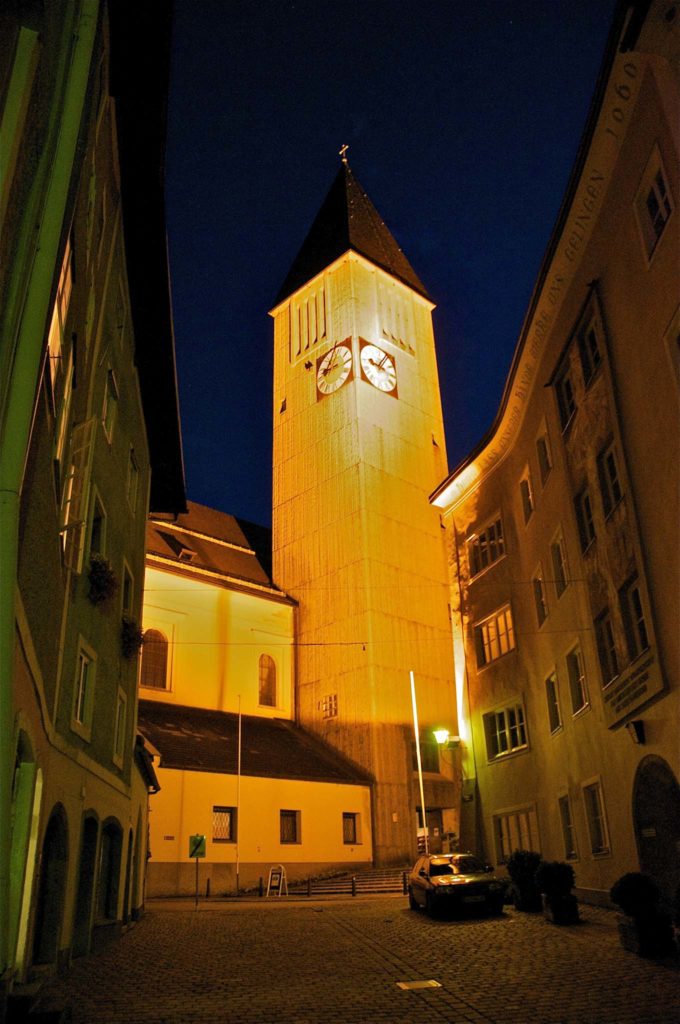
column 154, row 671
column 267, row 693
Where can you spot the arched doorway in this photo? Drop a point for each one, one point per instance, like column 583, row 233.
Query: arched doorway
column 656, row 814
column 128, row 880
column 82, row 922
column 51, row 888
column 23, row 797
column 109, row 870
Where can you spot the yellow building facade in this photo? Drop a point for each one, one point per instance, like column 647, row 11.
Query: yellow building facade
column 563, row 522
column 217, row 708
column 358, row 446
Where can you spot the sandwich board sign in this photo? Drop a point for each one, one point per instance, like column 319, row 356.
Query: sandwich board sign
column 277, row 882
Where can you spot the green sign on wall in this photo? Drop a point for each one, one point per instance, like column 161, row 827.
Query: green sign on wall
column 197, row 846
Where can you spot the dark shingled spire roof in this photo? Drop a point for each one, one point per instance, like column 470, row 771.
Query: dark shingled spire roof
column 348, row 220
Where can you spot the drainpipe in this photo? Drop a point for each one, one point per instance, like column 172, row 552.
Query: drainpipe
column 21, row 392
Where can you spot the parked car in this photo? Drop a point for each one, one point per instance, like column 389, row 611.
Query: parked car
column 454, row 882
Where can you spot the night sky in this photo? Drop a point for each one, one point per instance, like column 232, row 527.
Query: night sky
column 463, row 119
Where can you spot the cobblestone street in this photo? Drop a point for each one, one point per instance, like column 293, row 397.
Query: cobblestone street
column 340, row 961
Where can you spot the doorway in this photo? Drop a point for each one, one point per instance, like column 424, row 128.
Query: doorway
column 51, row 889
column 656, row 815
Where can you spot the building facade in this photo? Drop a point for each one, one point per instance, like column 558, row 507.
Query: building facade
column 358, row 447
column 563, row 523
column 79, row 465
column 217, row 705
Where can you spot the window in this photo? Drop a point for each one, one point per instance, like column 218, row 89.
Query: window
column 83, row 694
column 566, row 402
column 128, row 591
column 595, row 816
column 540, row 602
column 486, row 547
column 224, row 824
column 328, row 706
column 610, row 485
column 590, row 351
column 55, row 338
column 632, row 613
column 527, row 495
column 653, row 203
column 505, row 731
column 350, row 829
column 119, row 731
column 577, row 680
column 110, row 406
column 559, row 565
column 584, row 518
column 494, row 637
column 544, row 457
column 606, row 647
column 75, row 495
column 516, row 830
column 132, row 485
column 154, row 671
column 98, row 528
column 290, row 826
column 267, row 690
column 429, row 755
column 568, row 830
column 552, row 698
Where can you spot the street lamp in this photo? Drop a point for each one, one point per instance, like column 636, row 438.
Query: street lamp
column 446, row 740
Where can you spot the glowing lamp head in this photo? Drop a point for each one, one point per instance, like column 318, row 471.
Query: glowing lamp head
column 441, row 736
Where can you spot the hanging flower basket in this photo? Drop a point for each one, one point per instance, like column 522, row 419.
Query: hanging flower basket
column 131, row 637
column 102, row 580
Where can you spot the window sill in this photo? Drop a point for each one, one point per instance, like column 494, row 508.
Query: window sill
column 508, row 754
column 82, row 730
column 581, row 711
column 482, row 572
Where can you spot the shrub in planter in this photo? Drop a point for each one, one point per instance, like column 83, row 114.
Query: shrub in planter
column 102, row 580
column 522, row 866
column 644, row 926
column 131, row 637
column 555, row 879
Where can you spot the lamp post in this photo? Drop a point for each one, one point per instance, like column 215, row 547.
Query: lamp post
column 420, row 766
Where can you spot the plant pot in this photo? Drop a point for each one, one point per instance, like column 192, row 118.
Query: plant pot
column 561, row 909
column 527, row 900
column 649, row 936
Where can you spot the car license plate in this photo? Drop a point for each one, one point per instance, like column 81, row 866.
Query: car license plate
column 473, row 899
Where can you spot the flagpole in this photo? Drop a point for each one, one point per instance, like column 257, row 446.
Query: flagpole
column 416, row 732
column 238, row 795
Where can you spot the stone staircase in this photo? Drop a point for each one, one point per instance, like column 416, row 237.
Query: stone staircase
column 378, row 880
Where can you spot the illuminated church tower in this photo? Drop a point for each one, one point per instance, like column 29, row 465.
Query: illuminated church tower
column 358, row 448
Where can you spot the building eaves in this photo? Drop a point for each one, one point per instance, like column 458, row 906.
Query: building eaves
column 200, row 739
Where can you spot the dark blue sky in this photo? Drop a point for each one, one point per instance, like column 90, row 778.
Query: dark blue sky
column 463, row 120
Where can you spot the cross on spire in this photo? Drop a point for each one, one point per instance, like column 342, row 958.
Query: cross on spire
column 343, row 153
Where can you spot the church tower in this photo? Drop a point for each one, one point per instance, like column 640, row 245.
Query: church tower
column 358, row 448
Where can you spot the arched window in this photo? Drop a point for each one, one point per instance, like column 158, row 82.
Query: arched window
column 267, row 681
column 154, row 673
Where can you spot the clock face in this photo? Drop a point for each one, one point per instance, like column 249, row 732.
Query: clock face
column 379, row 369
column 333, row 369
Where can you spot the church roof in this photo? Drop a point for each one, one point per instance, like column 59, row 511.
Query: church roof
column 205, row 538
column 202, row 740
column 348, row 220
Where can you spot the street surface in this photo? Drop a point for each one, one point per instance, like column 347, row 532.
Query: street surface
column 339, row 961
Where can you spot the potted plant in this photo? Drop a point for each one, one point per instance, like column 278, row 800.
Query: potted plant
column 131, row 637
column 522, row 866
column 555, row 879
column 102, row 580
column 644, row 925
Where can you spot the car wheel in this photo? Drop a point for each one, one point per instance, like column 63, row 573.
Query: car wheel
column 430, row 905
column 496, row 907
column 411, row 901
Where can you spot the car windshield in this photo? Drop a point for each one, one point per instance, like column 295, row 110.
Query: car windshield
column 456, row 866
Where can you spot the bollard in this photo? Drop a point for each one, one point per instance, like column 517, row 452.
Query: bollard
column 354, row 885
column 261, row 887
column 309, row 887
column 404, row 887
column 207, row 888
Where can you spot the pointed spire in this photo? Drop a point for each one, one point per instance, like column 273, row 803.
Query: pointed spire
column 348, row 220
